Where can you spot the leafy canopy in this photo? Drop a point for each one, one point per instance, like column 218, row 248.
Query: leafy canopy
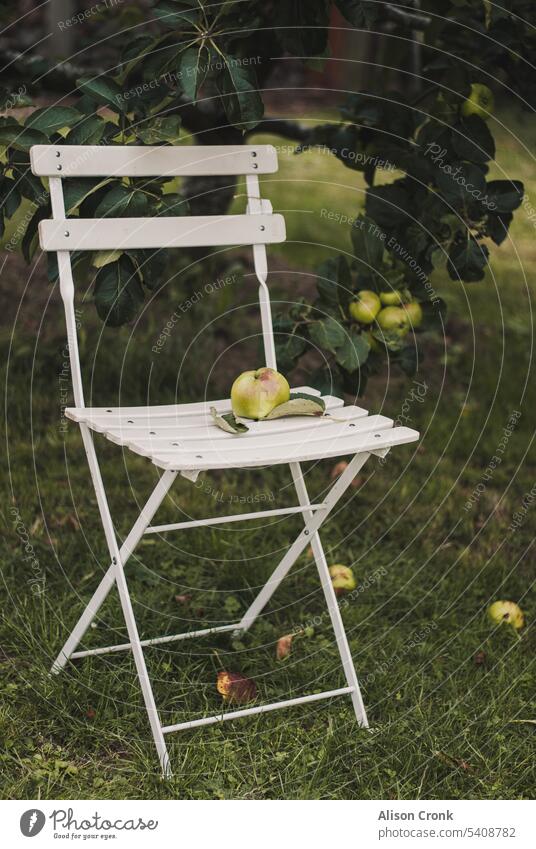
column 201, row 68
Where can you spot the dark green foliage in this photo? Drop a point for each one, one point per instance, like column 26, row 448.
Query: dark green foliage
column 432, row 208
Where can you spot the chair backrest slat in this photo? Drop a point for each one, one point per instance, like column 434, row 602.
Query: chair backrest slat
column 139, row 161
column 81, row 234
column 258, row 227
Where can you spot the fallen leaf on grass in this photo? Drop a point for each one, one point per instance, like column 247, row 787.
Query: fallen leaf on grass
column 342, row 578
column 235, row 687
column 183, row 599
column 480, row 658
column 68, row 519
column 37, row 527
column 457, row 763
column 284, row 645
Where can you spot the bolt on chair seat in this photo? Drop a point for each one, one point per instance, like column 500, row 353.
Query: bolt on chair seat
column 181, row 439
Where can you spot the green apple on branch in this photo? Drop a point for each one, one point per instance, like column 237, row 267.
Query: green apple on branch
column 392, row 298
column 480, row 102
column 393, row 318
column 414, row 314
column 366, row 307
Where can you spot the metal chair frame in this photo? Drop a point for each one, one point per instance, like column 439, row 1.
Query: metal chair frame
column 372, row 435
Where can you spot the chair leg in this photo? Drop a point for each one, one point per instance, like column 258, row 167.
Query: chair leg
column 302, row 541
column 331, row 600
column 108, row 580
column 118, row 576
column 141, row 668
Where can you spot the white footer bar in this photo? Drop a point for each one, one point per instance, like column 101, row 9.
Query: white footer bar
column 157, row 640
column 235, row 714
column 236, row 517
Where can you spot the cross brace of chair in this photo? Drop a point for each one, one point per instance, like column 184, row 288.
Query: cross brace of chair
column 314, row 516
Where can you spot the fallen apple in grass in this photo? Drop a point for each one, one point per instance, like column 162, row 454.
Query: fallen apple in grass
column 501, row 612
column 236, row 688
column 342, row 579
column 254, row 394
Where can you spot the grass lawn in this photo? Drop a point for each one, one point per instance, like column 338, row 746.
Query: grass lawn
column 451, row 700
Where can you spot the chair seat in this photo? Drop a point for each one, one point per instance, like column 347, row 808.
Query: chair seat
column 183, row 437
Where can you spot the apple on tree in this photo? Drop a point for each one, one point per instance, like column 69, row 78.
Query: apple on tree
column 480, row 102
column 254, row 394
column 393, row 319
column 414, row 314
column 392, row 298
column 366, row 307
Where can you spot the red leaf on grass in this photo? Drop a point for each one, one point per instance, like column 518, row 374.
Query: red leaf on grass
column 235, row 687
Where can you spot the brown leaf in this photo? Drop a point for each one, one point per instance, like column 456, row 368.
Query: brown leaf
column 236, row 688
column 339, row 468
column 67, row 519
column 183, row 599
column 479, row 658
column 91, row 713
column 37, row 527
column 284, row 645
column 453, row 762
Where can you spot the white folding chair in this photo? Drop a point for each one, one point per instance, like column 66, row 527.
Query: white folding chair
column 181, row 438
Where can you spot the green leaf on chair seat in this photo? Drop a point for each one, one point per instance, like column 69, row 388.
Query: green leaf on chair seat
column 228, row 422
column 300, row 404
